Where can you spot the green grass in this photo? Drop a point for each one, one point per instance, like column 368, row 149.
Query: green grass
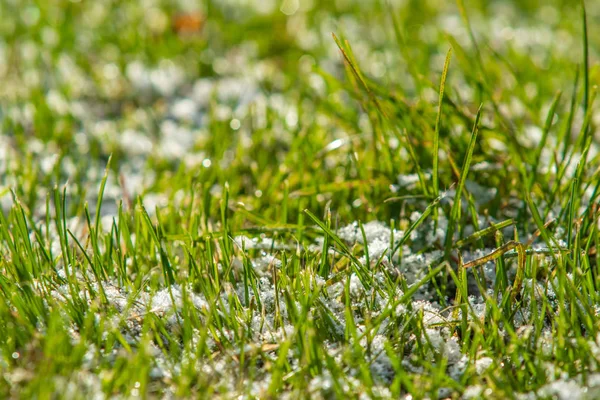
column 407, row 208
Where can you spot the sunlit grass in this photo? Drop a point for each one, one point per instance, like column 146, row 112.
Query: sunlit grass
column 227, row 200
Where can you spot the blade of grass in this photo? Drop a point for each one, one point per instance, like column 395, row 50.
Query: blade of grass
column 361, row 270
column 542, row 144
column 455, row 211
column 484, row 232
column 586, row 58
column 99, row 201
column 430, row 208
column 436, row 138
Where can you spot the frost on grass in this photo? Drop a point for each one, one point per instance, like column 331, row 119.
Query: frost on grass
column 378, row 237
column 268, row 315
column 568, row 389
column 162, row 122
column 260, row 243
column 273, row 322
column 167, row 301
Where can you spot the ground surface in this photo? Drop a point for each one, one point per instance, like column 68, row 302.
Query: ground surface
column 228, row 201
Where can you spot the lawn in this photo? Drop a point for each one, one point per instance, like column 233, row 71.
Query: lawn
column 299, row 199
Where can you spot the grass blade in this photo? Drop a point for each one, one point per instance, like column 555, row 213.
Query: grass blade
column 436, row 138
column 455, row 211
column 586, row 59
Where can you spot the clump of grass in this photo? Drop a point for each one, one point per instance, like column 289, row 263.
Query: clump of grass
column 264, row 211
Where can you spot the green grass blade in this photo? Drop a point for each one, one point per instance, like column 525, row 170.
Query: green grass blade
column 455, row 211
column 436, row 138
column 586, row 58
